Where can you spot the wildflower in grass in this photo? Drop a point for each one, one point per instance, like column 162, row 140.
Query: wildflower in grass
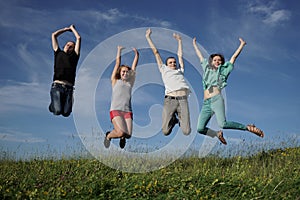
column 191, row 186
column 63, row 192
column 215, row 181
column 148, row 186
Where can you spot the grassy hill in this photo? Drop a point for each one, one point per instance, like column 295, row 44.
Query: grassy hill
column 267, row 175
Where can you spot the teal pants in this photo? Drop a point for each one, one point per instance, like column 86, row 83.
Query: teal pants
column 211, row 106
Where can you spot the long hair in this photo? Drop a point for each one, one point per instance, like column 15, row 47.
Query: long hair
column 212, row 56
column 118, row 74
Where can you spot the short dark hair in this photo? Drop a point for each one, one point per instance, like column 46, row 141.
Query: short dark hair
column 70, row 41
column 171, row 57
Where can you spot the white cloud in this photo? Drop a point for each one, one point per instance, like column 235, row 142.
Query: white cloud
column 17, row 136
column 269, row 13
column 277, row 16
column 20, row 96
column 31, row 21
column 36, row 62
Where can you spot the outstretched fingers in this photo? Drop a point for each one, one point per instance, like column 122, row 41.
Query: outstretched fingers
column 242, row 41
column 176, row 36
column 148, row 32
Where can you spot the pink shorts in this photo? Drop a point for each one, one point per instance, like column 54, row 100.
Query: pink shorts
column 125, row 115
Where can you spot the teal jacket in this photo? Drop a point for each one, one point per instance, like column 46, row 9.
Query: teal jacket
column 218, row 77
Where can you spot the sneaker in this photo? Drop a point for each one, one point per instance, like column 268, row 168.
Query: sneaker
column 106, row 141
column 122, row 143
column 175, row 120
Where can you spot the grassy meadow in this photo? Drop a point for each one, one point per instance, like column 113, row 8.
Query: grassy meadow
column 274, row 174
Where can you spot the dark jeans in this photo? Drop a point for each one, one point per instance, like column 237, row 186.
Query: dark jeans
column 61, row 99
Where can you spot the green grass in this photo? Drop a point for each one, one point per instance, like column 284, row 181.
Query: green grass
column 267, row 175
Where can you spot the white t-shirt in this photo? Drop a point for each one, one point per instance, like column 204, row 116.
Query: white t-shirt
column 173, row 79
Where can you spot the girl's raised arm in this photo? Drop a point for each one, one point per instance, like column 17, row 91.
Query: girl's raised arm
column 135, row 60
column 117, row 65
column 238, row 51
column 198, row 52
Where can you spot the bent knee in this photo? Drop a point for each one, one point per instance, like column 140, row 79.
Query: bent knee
column 123, row 134
column 201, row 131
column 119, row 133
column 187, row 131
column 166, row 131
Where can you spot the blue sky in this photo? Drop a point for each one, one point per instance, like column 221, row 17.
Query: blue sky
column 263, row 88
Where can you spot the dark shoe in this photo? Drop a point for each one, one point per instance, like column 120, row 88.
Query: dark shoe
column 50, row 108
column 106, row 141
column 175, row 120
column 122, row 143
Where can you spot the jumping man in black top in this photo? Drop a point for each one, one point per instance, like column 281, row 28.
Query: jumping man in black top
column 65, row 63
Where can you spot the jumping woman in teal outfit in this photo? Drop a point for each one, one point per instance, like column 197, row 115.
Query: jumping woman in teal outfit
column 215, row 74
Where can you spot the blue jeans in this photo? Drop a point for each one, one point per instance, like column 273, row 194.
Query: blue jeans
column 61, row 99
column 173, row 107
column 211, row 106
